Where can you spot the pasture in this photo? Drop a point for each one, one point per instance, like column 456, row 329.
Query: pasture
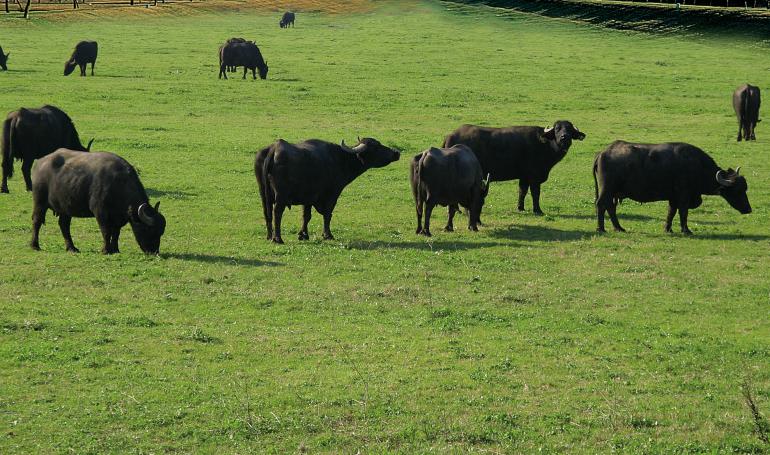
column 534, row 333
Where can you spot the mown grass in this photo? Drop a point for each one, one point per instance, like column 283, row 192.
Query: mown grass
column 534, row 333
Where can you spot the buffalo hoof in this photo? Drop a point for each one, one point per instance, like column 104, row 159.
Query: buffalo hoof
column 520, row 208
column 473, row 228
column 740, row 138
column 303, row 236
column 601, row 230
column 619, row 229
column 668, row 230
column 538, row 212
column 449, row 228
column 686, row 232
column 4, row 190
column 418, row 231
column 35, row 246
column 72, row 249
column 426, row 233
column 277, row 240
column 328, row 236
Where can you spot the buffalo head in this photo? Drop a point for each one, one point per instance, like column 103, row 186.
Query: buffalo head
column 4, row 60
column 733, row 187
column 148, row 226
column 563, row 132
column 373, row 154
column 263, row 71
column 69, row 67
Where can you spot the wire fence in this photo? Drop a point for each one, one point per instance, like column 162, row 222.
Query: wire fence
column 24, row 7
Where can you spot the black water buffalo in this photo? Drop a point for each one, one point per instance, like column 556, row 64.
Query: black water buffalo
column 230, row 69
column 286, row 20
column 100, row 185
column 448, row 176
column 312, row 174
column 527, row 153
column 746, row 103
column 30, row 134
column 3, row 59
column 675, row 172
column 245, row 54
column 85, row 52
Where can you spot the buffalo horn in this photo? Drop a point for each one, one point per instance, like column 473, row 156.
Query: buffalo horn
column 144, row 216
column 486, row 182
column 88, row 147
column 723, row 181
column 547, row 129
column 738, row 170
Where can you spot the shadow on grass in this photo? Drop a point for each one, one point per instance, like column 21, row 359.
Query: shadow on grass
column 422, row 243
column 592, row 216
column 212, row 259
column 718, row 236
column 525, row 232
column 171, row 194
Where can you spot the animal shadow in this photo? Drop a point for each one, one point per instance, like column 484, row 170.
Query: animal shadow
column 528, row 233
column 170, row 194
column 420, row 243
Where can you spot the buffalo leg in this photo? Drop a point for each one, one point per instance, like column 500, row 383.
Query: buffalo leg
column 740, row 130
column 450, row 227
column 535, row 187
column 114, row 240
column 4, row 186
column 254, row 73
column 92, row 67
column 26, row 169
column 428, row 211
column 683, row 209
column 327, row 225
column 306, row 214
column 83, row 69
column 611, row 209
column 64, row 225
column 267, row 210
column 107, row 248
column 245, row 70
column 523, row 188
column 40, row 206
column 278, row 209
column 670, row 216
column 752, row 136
column 222, row 71
column 419, row 205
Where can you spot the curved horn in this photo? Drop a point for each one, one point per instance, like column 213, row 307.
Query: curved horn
column 359, row 138
column 343, row 143
column 738, row 170
column 359, row 148
column 144, row 216
column 547, row 129
column 723, row 181
column 88, row 147
column 486, row 182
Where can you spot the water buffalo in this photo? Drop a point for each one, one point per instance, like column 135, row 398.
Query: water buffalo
column 3, row 59
column 286, row 20
column 245, row 54
column 312, row 174
column 85, row 53
column 448, row 176
column 230, row 69
column 746, row 103
column 527, row 153
column 30, row 134
column 100, row 185
column 675, row 172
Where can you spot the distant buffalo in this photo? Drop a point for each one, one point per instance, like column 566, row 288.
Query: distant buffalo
column 312, row 174
column 449, row 176
column 527, row 153
column 85, row 53
column 245, row 54
column 675, row 172
column 746, row 101
column 100, row 185
column 286, row 20
column 3, row 59
column 30, row 134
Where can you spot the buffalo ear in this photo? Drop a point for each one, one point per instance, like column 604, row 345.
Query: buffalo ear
column 549, row 133
column 131, row 213
column 579, row 135
column 758, row 120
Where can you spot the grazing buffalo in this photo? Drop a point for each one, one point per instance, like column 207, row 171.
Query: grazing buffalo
column 100, row 185
column 30, row 134
column 448, row 176
column 746, row 103
column 527, row 153
column 85, row 53
column 245, row 54
column 674, row 172
column 312, row 174
column 3, row 59
column 286, row 20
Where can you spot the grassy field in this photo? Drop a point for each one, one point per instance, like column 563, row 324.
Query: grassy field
column 532, row 334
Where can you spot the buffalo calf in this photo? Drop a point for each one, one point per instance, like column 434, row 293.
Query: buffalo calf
column 100, row 185
column 312, row 174
column 449, row 176
column 746, row 101
column 675, row 172
column 238, row 52
column 85, row 52
column 286, row 20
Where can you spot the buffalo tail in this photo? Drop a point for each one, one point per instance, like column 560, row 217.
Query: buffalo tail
column 6, row 149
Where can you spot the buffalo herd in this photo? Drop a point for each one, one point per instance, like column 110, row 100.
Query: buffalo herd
column 74, row 182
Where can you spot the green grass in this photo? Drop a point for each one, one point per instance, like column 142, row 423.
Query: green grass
column 533, row 333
